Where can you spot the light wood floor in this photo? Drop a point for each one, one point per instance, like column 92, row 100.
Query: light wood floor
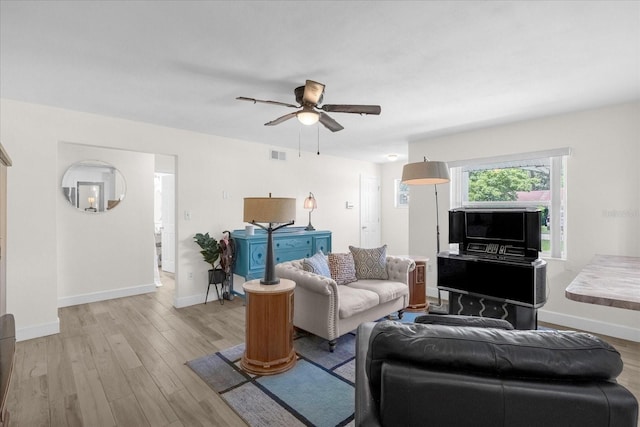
column 121, row 362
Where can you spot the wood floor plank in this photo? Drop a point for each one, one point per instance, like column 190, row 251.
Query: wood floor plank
column 33, row 359
column 64, row 410
column 155, row 406
column 128, row 412
column 114, row 382
column 163, row 376
column 94, row 406
column 63, row 398
column 190, row 411
column 197, row 387
column 123, row 351
column 78, row 350
column 32, row 403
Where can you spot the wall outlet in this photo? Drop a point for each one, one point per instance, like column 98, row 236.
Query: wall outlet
column 190, row 275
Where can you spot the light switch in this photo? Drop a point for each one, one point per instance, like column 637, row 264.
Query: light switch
column 187, row 215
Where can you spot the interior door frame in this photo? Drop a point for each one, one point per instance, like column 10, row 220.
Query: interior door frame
column 5, row 162
column 370, row 211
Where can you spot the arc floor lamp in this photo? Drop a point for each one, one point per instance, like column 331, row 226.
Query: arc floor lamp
column 433, row 173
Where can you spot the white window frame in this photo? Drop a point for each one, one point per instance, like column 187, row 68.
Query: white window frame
column 558, row 167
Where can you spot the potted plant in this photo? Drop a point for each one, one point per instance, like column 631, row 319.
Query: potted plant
column 211, row 254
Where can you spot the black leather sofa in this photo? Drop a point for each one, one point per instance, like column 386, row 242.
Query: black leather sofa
column 433, row 374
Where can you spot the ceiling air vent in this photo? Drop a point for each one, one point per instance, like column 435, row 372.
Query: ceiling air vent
column 278, row 155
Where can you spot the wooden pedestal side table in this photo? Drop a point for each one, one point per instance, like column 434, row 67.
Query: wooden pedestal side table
column 269, row 327
column 418, row 285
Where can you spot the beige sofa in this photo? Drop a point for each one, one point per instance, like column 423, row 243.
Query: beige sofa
column 328, row 310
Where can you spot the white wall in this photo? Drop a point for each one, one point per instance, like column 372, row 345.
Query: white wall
column 603, row 200
column 206, row 166
column 395, row 221
column 108, row 254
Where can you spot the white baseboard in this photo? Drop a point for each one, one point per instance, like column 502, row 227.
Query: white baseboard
column 38, row 331
column 199, row 299
column 194, row 299
column 106, row 295
column 589, row 325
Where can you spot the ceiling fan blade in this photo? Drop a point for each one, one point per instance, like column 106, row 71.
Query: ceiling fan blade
column 281, row 119
column 356, row 109
column 284, row 104
column 312, row 92
column 329, row 123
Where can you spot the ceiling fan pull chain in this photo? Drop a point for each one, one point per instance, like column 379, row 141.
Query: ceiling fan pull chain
column 299, row 137
column 318, row 127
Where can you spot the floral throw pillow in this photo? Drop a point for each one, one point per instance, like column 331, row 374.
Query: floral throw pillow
column 317, row 264
column 370, row 263
column 342, row 268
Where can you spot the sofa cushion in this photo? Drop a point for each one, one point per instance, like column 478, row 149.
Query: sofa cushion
column 354, row 301
column 370, row 263
column 317, row 264
column 385, row 289
column 342, row 268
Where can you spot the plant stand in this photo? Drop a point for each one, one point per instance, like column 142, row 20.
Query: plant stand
column 216, row 277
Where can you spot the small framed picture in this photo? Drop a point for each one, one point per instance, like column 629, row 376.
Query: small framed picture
column 401, row 194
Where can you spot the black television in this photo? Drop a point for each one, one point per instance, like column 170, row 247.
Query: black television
column 509, row 230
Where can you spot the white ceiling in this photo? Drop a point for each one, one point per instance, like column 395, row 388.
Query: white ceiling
column 435, row 67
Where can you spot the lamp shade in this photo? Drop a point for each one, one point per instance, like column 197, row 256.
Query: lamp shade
column 426, row 172
column 310, row 202
column 269, row 210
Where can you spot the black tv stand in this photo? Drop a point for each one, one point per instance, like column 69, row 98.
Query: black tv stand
column 500, row 287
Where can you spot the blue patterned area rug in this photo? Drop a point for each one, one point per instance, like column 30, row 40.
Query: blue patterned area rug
column 317, row 391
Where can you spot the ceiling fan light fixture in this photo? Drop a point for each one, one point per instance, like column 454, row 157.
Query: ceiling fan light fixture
column 308, row 117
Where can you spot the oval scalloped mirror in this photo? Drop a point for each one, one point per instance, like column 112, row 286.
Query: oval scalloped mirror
column 93, row 186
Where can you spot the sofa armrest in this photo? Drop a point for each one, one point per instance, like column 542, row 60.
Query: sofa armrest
column 399, row 268
column 313, row 282
column 366, row 411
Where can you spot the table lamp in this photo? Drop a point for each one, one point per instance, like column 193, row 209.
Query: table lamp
column 310, row 203
column 424, row 173
column 277, row 212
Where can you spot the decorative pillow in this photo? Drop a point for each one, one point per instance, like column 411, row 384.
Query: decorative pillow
column 317, row 264
column 370, row 263
column 342, row 268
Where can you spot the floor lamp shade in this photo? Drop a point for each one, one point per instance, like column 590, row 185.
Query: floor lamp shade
column 426, row 172
column 270, row 210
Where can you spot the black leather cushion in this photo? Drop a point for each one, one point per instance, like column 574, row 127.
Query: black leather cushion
column 419, row 397
column 493, row 352
column 453, row 320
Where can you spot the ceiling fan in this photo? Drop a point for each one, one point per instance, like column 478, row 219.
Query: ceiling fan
column 308, row 97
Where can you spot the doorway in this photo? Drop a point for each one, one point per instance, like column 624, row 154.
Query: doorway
column 369, row 212
column 164, row 221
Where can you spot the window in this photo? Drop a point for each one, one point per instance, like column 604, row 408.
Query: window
column 526, row 180
column 401, row 196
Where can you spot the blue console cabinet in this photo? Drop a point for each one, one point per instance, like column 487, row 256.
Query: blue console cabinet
column 289, row 243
